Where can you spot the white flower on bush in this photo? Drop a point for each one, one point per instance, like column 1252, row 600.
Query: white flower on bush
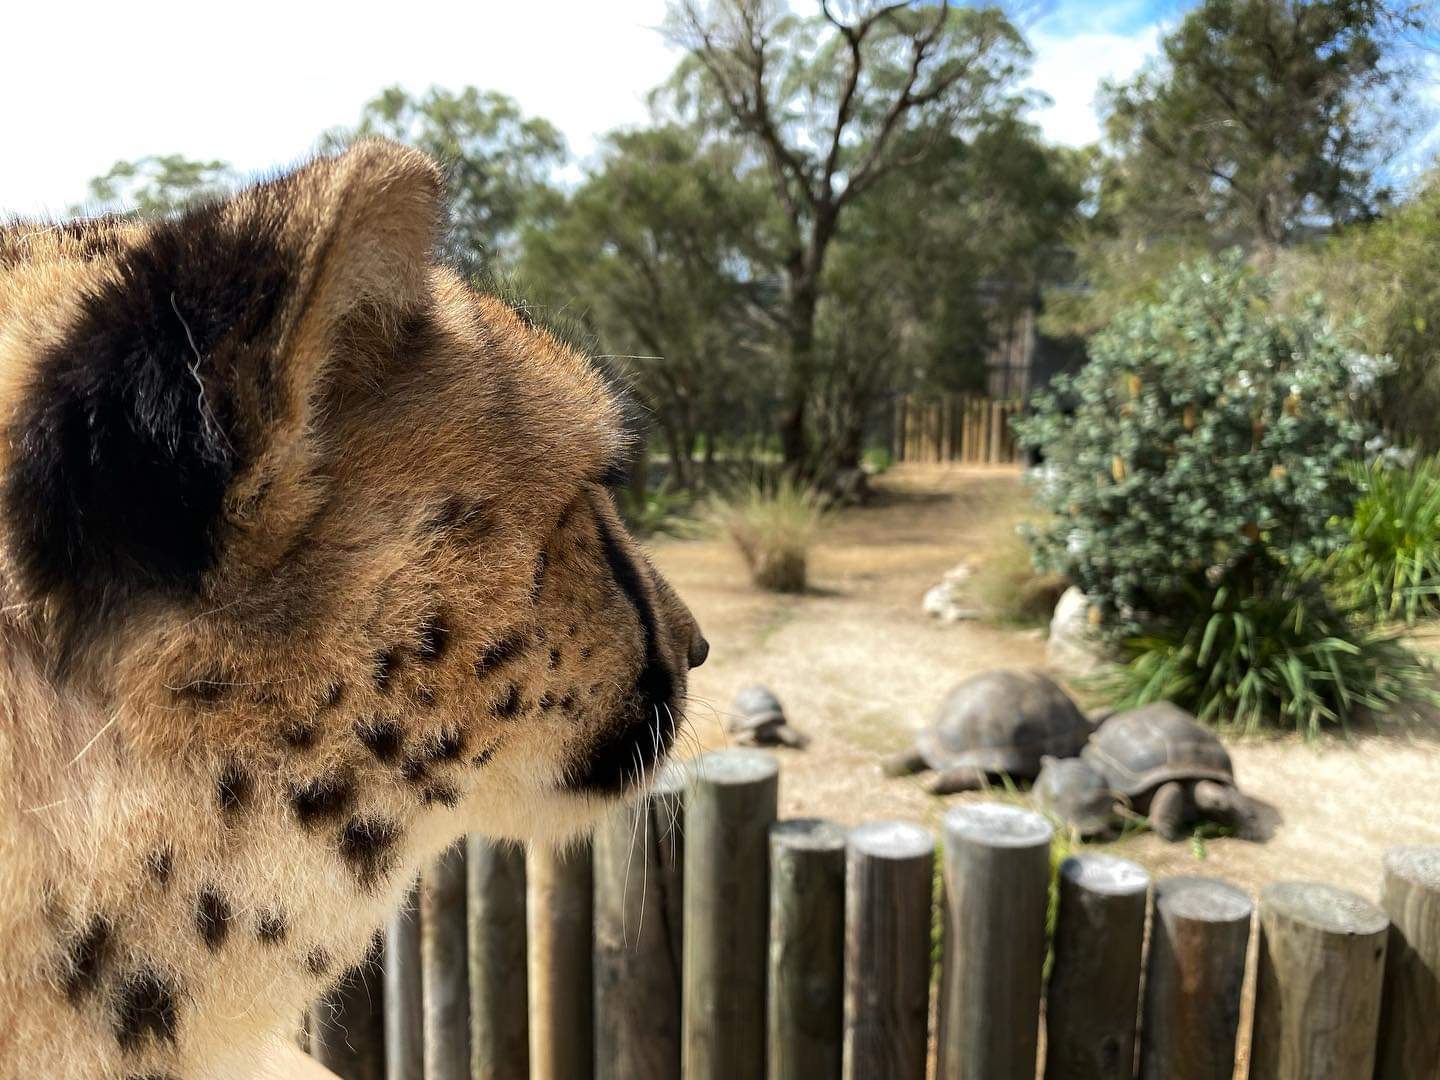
column 1366, row 370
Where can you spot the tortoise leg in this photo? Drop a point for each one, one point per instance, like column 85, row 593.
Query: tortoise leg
column 903, row 763
column 1226, row 805
column 1169, row 810
column 786, row 735
column 952, row 780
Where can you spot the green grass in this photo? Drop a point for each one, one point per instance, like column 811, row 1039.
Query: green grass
column 1391, row 565
column 773, row 524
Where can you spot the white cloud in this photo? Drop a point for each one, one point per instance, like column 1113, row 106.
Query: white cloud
column 1070, row 68
column 84, row 85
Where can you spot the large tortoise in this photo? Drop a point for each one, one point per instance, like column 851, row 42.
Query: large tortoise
column 998, row 723
column 758, row 719
column 1159, row 761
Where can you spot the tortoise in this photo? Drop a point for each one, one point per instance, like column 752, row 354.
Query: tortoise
column 1156, row 759
column 993, row 724
column 758, row 719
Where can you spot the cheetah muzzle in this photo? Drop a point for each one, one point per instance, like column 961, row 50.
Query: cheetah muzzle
column 309, row 565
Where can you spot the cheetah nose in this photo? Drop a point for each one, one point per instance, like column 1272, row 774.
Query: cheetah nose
column 699, row 650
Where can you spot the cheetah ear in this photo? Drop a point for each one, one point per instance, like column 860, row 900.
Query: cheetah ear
column 175, row 404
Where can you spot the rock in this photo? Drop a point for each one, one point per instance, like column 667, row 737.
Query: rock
column 946, row 601
column 1073, row 648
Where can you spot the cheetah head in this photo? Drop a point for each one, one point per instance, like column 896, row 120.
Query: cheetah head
column 317, row 529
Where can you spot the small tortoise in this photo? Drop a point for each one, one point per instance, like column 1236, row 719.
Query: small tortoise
column 1159, row 761
column 993, row 724
column 758, row 719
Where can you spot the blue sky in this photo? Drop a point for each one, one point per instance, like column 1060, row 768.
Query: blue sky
column 255, row 85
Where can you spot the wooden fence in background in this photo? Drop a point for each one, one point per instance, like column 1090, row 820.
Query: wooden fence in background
column 960, row 429
column 698, row 937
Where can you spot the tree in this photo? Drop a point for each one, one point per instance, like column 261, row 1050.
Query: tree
column 497, row 161
column 659, row 247
column 155, row 185
column 832, row 106
column 917, row 288
column 1263, row 120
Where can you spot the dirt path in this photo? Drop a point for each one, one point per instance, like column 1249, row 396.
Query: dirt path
column 859, row 666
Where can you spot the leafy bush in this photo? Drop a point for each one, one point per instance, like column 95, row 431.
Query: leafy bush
column 1195, row 468
column 1390, row 567
column 773, row 524
column 1284, row 650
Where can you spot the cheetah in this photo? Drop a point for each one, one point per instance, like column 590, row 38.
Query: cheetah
column 309, row 564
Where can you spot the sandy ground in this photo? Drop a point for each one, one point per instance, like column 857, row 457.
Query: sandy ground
column 859, row 666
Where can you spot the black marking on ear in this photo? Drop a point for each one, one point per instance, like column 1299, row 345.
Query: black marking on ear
column 484, row 757
column 233, row 788
column 383, row 738
column 498, row 655
column 270, row 927
column 318, row 962
column 334, row 694
column 434, row 637
column 298, row 735
column 144, row 1007
column 554, row 658
column 616, row 473
column 546, row 702
column 212, row 917
column 385, row 663
column 321, row 799
column 414, row 769
column 508, row 706
column 160, row 864
column 567, row 703
column 85, row 957
column 368, row 846
column 129, row 434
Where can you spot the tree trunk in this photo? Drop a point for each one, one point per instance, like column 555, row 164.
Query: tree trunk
column 794, row 426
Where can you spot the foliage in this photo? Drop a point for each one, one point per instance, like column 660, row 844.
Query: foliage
column 833, row 105
column 1006, row 582
column 1263, row 117
column 497, row 161
column 1277, row 649
column 1263, row 124
column 156, row 185
column 1390, row 567
column 656, row 249
column 1195, row 468
column 774, row 525
column 1385, row 277
column 661, row 510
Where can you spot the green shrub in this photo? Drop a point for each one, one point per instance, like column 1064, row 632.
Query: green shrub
column 1283, row 651
column 773, row 524
column 1390, row 565
column 1195, row 469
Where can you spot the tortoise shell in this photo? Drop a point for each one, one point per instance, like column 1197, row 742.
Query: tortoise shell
column 1139, row 749
column 1003, row 722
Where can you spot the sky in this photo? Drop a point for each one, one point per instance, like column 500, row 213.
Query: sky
column 87, row 84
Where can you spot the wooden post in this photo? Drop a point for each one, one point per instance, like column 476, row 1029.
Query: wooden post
column 1409, row 1031
column 404, row 1018
column 728, row 813
column 444, row 963
column 1093, row 998
column 560, row 920
column 805, row 993
column 1317, row 991
column 997, row 431
column 639, row 886
column 499, row 1024
column 997, row 878
column 890, row 878
column 1199, row 936
column 347, row 1025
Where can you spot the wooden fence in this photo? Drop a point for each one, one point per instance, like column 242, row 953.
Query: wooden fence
column 699, row 937
column 961, row 429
